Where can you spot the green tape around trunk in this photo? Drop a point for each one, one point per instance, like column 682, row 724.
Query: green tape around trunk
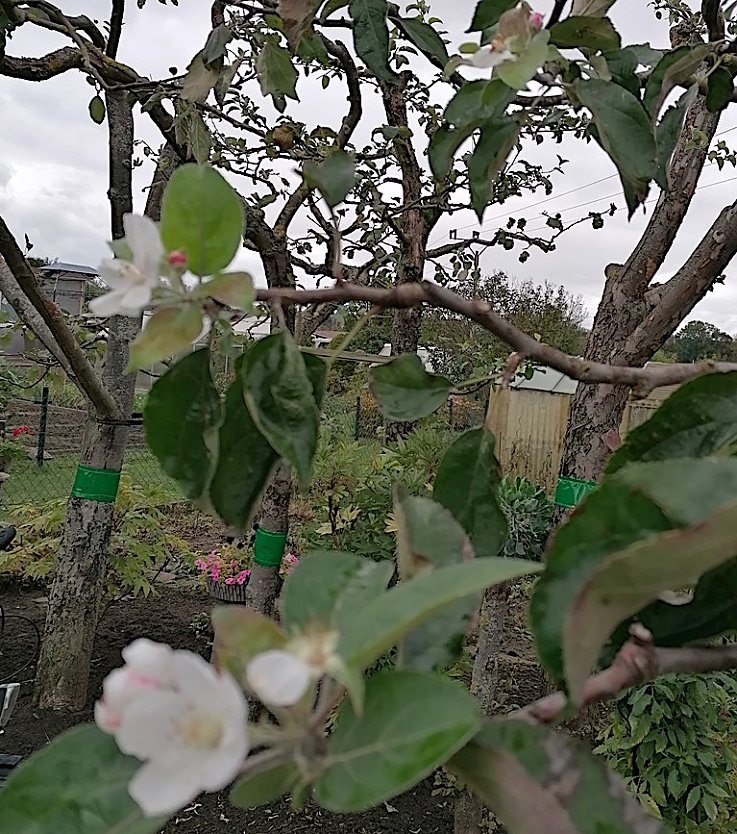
column 96, row 484
column 569, row 492
column 268, row 548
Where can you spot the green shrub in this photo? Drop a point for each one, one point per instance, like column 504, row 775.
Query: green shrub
column 529, row 514
column 673, row 743
column 139, row 545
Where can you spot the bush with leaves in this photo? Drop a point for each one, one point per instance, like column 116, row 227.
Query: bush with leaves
column 673, row 742
column 140, row 545
column 529, row 514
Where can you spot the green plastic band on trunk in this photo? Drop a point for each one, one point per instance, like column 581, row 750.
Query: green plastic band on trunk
column 96, row 484
column 569, row 492
column 268, row 548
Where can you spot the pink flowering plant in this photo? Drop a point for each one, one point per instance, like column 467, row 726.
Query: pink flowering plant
column 227, row 564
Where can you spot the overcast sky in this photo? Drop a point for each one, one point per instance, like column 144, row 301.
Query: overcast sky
column 53, row 164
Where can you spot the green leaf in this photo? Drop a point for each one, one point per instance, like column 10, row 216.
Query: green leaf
column 280, row 397
column 201, row 216
column 488, row 12
column 629, row 580
column 709, row 806
column 667, row 134
column 477, row 102
column 191, row 130
column 595, row 33
column 637, row 503
column 393, row 745
column 498, row 137
column 334, row 177
column 692, row 800
column 622, row 65
column 245, row 462
column 327, row 588
column 720, row 89
column 371, row 36
column 276, row 73
column 78, row 784
column 240, row 634
column 406, row 391
column 234, row 289
column 384, row 622
column 169, row 331
column 634, row 505
column 698, row 419
column 444, row 144
column 711, row 612
column 467, row 483
column 517, row 74
column 182, row 408
column 199, row 80
column 625, row 133
column 331, row 7
column 424, row 37
column 97, row 110
column 518, row 769
column 428, row 537
column 215, row 46
column 674, row 68
column 265, row 786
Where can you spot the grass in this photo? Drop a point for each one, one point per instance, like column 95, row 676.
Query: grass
column 30, row 483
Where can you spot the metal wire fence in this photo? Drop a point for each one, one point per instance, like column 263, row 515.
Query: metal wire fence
column 53, row 441
column 55, row 438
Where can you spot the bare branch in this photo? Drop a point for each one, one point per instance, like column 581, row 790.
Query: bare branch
column 637, row 662
column 641, row 380
column 116, row 27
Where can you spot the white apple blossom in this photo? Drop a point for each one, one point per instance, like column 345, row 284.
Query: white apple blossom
column 488, row 57
column 184, row 720
column 131, row 282
column 282, row 677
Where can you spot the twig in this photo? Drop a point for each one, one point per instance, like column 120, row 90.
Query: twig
column 637, row 662
column 641, row 380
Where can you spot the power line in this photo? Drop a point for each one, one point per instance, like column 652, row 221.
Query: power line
column 552, row 197
column 647, row 202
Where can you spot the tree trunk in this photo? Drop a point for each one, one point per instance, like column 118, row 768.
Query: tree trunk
column 484, row 685
column 628, row 304
column 77, row 590
column 265, row 583
column 79, row 579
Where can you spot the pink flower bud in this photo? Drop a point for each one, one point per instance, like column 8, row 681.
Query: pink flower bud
column 177, row 258
column 536, row 20
column 230, row 581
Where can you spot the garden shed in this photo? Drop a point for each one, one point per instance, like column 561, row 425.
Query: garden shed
column 529, row 421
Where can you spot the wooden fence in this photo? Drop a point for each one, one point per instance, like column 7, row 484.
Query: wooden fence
column 530, row 425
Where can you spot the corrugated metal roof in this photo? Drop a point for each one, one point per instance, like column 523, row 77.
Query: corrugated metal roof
column 546, row 379
column 60, row 266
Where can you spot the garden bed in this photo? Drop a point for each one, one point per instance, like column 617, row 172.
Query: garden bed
column 169, row 617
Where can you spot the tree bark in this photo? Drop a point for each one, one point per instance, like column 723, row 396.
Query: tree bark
column 79, row 580
column 469, row 809
column 630, row 302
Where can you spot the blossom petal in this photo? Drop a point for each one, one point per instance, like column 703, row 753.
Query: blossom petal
column 142, row 235
column 219, row 769
column 194, row 677
column 136, row 298
column 278, row 678
column 148, row 657
column 110, row 304
column 166, row 784
column 148, row 724
column 116, row 274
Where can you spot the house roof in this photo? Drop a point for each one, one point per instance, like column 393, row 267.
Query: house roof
column 77, row 269
column 546, row 379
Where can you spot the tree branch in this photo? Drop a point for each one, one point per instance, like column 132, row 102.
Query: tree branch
column 116, row 27
column 637, row 662
column 641, row 380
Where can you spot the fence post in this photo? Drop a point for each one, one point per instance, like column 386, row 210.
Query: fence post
column 42, row 426
column 450, row 412
column 357, row 426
